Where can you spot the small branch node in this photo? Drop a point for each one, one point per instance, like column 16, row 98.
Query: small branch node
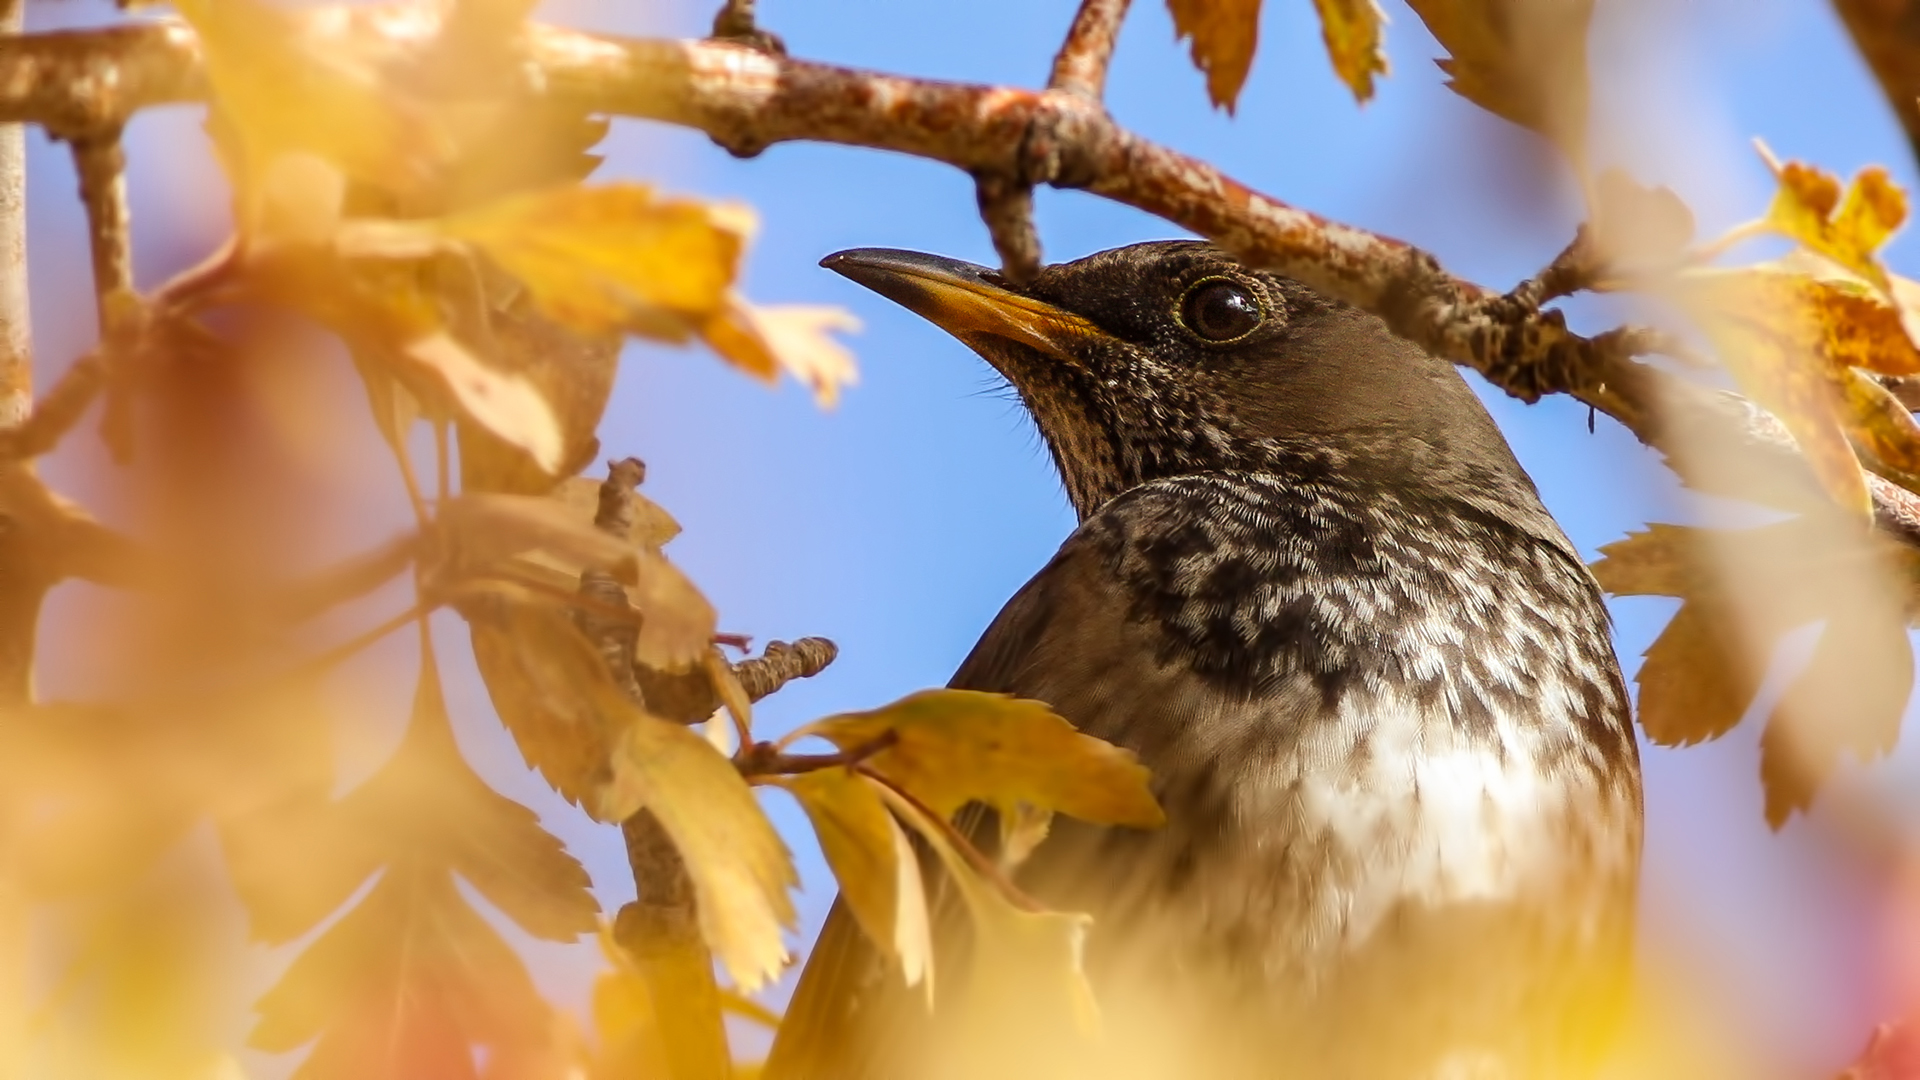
column 735, row 22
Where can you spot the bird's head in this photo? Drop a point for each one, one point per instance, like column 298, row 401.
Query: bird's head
column 1171, row 358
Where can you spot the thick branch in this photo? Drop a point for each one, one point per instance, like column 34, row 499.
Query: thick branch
column 747, row 99
column 1081, row 67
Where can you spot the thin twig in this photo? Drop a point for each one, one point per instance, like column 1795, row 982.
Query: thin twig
column 767, row 759
column 1081, row 67
column 102, row 167
column 57, row 412
column 1006, row 205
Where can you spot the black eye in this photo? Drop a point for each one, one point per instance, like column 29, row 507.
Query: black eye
column 1221, row 310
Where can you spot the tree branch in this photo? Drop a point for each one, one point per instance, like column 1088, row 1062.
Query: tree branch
column 102, row 166
column 746, row 99
column 1081, row 67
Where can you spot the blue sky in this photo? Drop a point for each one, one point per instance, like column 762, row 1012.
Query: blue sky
column 898, row 523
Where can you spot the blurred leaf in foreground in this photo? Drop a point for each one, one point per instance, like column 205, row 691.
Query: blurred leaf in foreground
column 412, row 979
column 1524, row 60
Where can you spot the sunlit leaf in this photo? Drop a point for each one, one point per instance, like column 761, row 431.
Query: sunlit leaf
column 1808, row 206
column 951, row 747
column 764, row 341
column 741, row 871
column 677, row 622
column 612, row 257
column 507, row 405
column 1525, row 60
column 549, row 686
column 1224, row 35
column 1351, row 29
column 1788, row 338
column 878, row 874
column 284, row 95
column 1880, row 423
column 1030, row 963
column 485, row 528
column 625, row 1021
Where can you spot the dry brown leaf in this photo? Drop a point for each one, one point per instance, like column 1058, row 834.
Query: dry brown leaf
column 1696, row 681
column 1224, row 34
column 1351, row 30
column 764, row 341
column 1525, row 60
column 741, row 871
column 612, row 256
column 878, row 873
column 951, row 747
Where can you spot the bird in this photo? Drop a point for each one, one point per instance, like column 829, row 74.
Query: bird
column 1313, row 590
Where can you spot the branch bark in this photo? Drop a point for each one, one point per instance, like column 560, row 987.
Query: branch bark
column 746, row 99
column 1081, row 67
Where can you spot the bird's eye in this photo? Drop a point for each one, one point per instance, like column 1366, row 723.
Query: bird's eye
column 1220, row 310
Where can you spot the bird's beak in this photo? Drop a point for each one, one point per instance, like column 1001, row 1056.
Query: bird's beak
column 970, row 302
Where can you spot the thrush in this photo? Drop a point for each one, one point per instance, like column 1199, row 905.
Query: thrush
column 1314, row 591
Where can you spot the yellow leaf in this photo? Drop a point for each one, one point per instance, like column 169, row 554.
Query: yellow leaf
column 1809, row 208
column 1224, row 34
column 550, row 688
column 1525, row 60
column 1880, row 423
column 951, row 747
column 283, row 95
column 764, row 340
column 878, row 874
column 741, row 871
column 1788, row 339
column 507, row 405
column 1028, row 967
column 484, row 527
column 1351, row 29
column 612, row 257
column 554, row 542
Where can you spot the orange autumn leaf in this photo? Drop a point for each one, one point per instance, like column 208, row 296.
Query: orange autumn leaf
column 1224, row 34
